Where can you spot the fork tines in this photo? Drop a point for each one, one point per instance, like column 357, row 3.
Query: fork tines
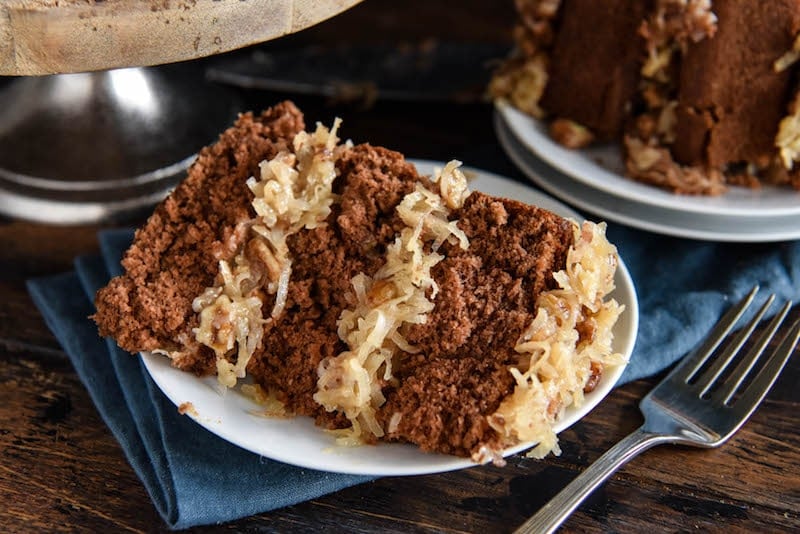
column 709, row 371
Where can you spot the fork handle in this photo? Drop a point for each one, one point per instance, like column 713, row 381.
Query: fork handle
column 552, row 514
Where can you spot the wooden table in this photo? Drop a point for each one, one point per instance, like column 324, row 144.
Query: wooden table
column 62, row 470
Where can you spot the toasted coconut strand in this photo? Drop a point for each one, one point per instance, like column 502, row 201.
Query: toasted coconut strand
column 353, row 380
column 788, row 138
column 231, row 318
column 571, row 134
column 789, row 58
column 677, row 23
column 651, row 163
column 523, row 78
column 667, row 32
column 556, row 363
column 522, row 82
column 453, row 186
column 267, row 401
column 293, row 192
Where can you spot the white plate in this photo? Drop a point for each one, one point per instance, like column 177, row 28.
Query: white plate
column 298, row 441
column 601, row 168
column 665, row 221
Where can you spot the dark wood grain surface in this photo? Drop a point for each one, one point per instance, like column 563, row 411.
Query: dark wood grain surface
column 61, row 469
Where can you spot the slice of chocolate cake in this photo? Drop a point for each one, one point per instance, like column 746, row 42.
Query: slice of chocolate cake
column 385, row 304
column 700, row 94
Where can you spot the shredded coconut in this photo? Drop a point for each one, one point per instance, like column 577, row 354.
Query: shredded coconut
column 649, row 162
column 788, row 138
column 570, row 134
column 294, row 191
column 789, row 58
column 231, row 318
column 523, row 83
column 268, row 403
column 679, row 22
column 557, row 358
column 398, row 294
column 667, row 33
column 669, row 30
column 523, row 78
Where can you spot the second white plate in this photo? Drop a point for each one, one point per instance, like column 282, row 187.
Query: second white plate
column 667, row 221
column 600, row 167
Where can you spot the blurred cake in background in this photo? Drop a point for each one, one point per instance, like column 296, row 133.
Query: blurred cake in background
column 701, row 94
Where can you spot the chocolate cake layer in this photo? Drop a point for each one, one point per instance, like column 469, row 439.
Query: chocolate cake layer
column 730, row 97
column 595, row 62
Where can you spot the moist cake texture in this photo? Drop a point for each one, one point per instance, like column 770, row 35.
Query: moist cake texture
column 701, row 94
column 461, row 291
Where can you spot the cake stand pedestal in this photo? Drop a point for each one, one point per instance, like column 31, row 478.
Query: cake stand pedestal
column 92, row 128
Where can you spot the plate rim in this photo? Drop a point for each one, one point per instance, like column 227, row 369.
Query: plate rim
column 527, row 130
column 615, row 208
column 625, row 332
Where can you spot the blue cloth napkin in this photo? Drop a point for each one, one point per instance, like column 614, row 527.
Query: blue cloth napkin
column 684, row 287
column 196, row 478
column 192, row 476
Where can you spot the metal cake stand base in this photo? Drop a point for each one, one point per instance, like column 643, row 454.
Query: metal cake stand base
column 103, row 146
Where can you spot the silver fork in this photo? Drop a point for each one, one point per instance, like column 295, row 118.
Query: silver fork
column 700, row 403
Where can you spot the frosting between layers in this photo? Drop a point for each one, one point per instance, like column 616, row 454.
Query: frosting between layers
column 566, row 346
column 294, row 192
column 397, row 295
